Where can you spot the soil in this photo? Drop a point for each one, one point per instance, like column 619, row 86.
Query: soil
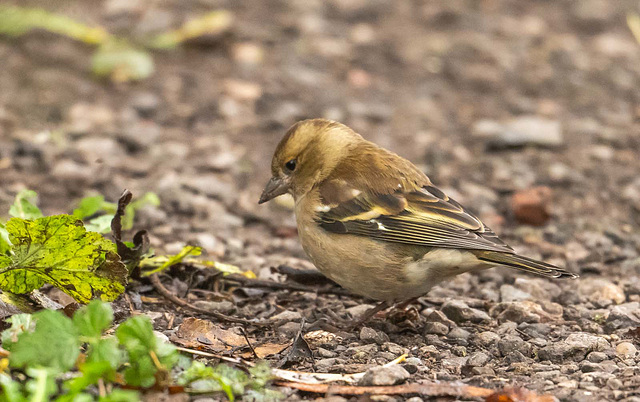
column 491, row 98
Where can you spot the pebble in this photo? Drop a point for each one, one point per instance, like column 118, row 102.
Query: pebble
column 381, row 375
column 575, row 347
column 512, row 343
column 436, row 328
column 458, row 311
column 510, row 293
column 601, row 290
column 478, row 359
column 626, row 350
column 371, row 335
column 459, row 334
column 518, row 132
column 287, row 315
column 224, row 307
column 532, row 206
column 487, row 338
column 625, row 315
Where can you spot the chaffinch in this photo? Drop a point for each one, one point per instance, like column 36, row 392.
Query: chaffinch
column 374, row 223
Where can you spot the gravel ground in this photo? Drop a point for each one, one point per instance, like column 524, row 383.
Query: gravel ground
column 527, row 112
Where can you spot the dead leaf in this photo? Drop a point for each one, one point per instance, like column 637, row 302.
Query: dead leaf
column 197, row 333
column 266, row 350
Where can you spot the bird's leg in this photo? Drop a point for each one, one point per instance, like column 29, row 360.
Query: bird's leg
column 404, row 313
column 369, row 313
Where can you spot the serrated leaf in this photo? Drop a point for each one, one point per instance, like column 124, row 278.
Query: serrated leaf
column 5, row 244
column 42, row 386
column 58, row 250
column 92, row 319
column 121, row 395
column 53, row 344
column 91, row 205
column 11, row 390
column 100, row 224
column 24, row 205
column 19, row 324
column 105, row 350
column 147, row 355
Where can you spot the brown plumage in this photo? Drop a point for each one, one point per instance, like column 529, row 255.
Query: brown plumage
column 373, row 222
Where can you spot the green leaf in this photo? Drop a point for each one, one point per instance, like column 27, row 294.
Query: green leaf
column 24, row 205
column 58, row 250
column 213, row 23
column 5, row 244
column 93, row 319
column 121, row 62
column 91, row 373
column 11, row 390
column 53, row 343
column 146, row 354
column 19, row 324
column 100, row 224
column 81, row 397
column 169, row 260
column 91, row 205
column 42, row 386
column 121, row 395
column 16, row 21
column 106, row 350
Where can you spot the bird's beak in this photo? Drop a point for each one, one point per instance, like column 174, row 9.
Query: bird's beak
column 275, row 187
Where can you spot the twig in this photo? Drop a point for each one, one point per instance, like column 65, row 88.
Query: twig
column 246, row 338
column 258, row 283
column 457, row 391
column 157, row 284
column 427, row 389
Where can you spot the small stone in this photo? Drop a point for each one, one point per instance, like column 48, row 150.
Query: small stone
column 325, row 353
column 287, row 315
column 510, row 293
column 575, row 347
column 289, row 329
column 145, row 103
column 519, row 132
column 487, row 338
column 532, row 206
column 458, row 333
column 458, row 311
column 390, row 375
column 371, row 335
column 625, row 315
column 527, row 311
column 614, row 383
column 224, row 307
column 436, row 328
column 478, row 359
column 511, row 343
column 596, row 357
column 599, row 290
column 626, row 350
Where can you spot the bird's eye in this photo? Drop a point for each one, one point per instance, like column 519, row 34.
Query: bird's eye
column 291, row 165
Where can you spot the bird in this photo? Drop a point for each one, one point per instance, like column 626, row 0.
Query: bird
column 374, row 223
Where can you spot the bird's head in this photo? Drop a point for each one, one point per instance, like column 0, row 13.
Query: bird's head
column 306, row 155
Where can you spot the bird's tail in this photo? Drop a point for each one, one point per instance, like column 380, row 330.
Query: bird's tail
column 524, row 264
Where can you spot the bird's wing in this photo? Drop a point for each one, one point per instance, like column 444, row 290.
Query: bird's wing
column 422, row 216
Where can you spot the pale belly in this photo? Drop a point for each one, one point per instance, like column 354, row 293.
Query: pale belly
column 386, row 273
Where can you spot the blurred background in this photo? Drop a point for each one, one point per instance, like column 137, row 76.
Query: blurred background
column 527, row 112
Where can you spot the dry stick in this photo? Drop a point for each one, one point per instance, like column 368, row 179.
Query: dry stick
column 157, row 284
column 257, row 283
column 428, row 389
